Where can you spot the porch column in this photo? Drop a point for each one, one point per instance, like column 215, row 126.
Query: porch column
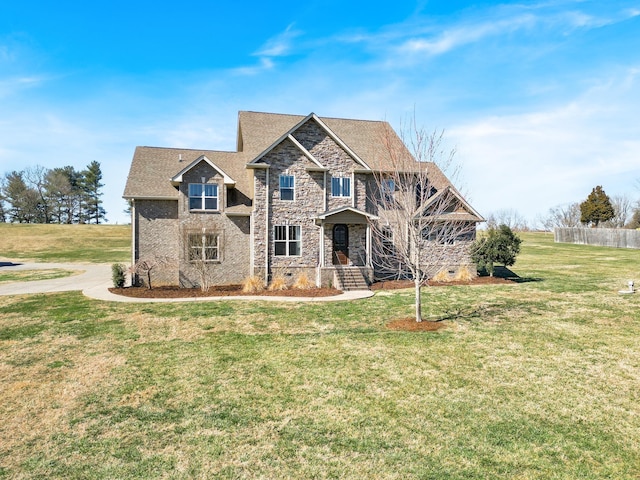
column 368, row 245
column 322, row 244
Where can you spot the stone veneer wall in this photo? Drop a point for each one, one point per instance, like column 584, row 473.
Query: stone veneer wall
column 311, row 195
column 156, row 223
column 447, row 258
column 331, row 156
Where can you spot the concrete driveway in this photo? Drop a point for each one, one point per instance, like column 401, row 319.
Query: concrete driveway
column 92, row 276
column 95, row 280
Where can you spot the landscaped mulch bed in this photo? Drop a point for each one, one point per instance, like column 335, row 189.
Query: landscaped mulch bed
column 219, row 291
column 396, row 284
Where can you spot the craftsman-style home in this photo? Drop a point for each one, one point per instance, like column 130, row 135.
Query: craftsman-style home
column 298, row 197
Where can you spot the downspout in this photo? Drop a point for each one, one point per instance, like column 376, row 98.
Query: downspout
column 133, row 239
column 266, row 230
column 252, row 242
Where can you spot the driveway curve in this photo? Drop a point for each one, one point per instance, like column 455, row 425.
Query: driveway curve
column 95, row 280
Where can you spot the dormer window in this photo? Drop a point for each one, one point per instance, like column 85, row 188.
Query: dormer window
column 340, row 187
column 203, row 196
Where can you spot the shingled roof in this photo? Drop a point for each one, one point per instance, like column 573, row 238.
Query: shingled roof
column 152, row 168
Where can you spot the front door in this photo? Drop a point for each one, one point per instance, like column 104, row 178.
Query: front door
column 341, row 244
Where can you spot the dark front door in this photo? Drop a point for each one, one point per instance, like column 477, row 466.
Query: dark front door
column 341, row 244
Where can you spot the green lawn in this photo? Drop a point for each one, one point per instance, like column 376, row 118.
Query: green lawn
column 535, row 380
column 34, row 275
column 65, row 243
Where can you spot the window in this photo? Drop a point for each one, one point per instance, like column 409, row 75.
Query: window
column 286, row 187
column 204, row 247
column 443, row 235
column 386, row 241
column 203, row 196
column 388, row 186
column 287, row 240
column 340, row 187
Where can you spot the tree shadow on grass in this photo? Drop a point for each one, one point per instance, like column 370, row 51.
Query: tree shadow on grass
column 468, row 313
column 507, row 274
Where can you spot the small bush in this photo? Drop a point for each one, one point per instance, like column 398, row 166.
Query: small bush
column 252, row 285
column 303, row 283
column 117, row 275
column 442, row 276
column 278, row 283
column 464, row 274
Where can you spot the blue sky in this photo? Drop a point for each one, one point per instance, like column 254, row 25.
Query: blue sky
column 541, row 100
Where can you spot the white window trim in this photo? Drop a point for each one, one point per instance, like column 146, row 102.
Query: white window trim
column 342, row 178
column 203, row 197
column 202, row 247
column 287, row 242
column 292, row 188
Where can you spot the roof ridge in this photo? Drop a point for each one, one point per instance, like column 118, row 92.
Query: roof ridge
column 319, row 116
column 188, row 149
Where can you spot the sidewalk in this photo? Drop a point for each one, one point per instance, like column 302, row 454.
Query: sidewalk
column 95, row 280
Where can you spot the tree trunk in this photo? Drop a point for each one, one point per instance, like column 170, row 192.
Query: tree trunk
column 418, row 301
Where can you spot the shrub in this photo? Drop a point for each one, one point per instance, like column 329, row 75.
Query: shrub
column 464, row 274
column 500, row 245
column 303, row 283
column 278, row 283
column 117, row 275
column 441, row 276
column 252, row 284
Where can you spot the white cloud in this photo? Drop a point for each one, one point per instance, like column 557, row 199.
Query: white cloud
column 535, row 160
column 280, row 45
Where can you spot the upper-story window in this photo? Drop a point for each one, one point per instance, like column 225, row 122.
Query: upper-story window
column 340, row 187
column 203, row 196
column 287, row 187
column 388, row 186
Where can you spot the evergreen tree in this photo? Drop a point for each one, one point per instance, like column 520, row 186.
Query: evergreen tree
column 25, row 201
column 93, row 211
column 500, row 245
column 596, row 208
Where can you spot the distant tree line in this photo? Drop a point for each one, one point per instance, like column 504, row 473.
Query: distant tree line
column 598, row 210
column 58, row 195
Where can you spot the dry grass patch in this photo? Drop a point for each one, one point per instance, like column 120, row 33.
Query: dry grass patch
column 35, row 275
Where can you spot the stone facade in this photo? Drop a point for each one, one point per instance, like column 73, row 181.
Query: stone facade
column 250, row 208
column 312, row 197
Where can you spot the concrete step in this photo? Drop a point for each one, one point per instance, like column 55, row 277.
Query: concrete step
column 350, row 278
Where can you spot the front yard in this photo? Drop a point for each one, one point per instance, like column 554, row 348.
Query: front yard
column 537, row 379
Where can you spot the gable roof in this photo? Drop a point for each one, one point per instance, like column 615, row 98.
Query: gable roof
column 289, row 134
column 154, row 168
column 363, row 139
column 203, row 158
column 465, row 212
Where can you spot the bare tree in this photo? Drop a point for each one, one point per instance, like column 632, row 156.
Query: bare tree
column 145, row 266
column 562, row 216
column 623, row 209
column 509, row 217
column 423, row 220
column 203, row 250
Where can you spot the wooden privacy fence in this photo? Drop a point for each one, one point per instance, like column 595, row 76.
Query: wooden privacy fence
column 604, row 237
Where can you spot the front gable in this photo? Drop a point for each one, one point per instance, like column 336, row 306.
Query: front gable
column 178, row 178
column 316, row 141
column 448, row 204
